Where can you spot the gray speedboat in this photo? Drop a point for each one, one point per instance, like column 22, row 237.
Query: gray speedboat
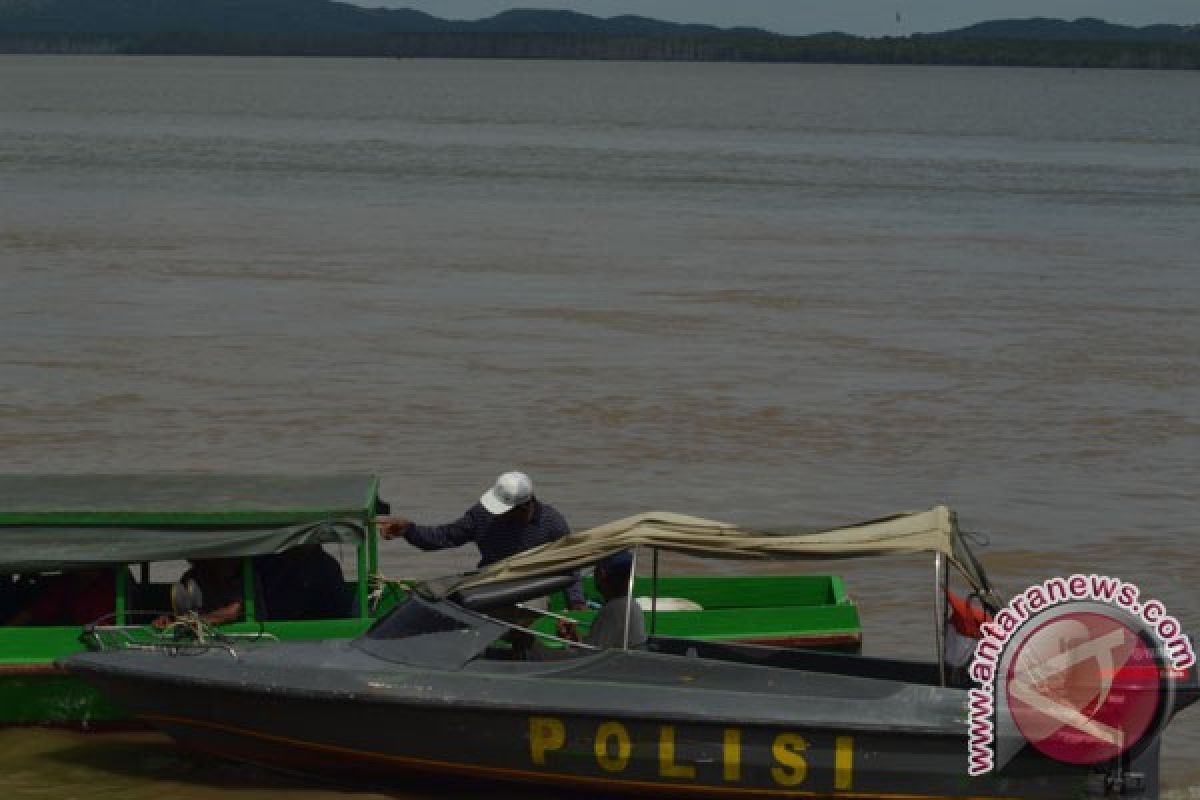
column 432, row 688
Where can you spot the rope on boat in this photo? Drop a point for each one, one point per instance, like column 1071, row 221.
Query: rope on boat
column 380, row 587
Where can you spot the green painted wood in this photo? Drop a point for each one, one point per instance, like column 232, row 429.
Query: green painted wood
column 741, row 591
column 35, row 645
column 746, row 608
column 33, row 692
column 54, row 700
column 735, row 608
column 47, row 697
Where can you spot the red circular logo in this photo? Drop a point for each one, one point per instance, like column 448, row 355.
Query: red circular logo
column 1083, row 687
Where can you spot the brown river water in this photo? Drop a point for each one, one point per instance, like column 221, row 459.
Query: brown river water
column 775, row 295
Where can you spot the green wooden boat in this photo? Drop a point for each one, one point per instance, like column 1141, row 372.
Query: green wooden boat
column 133, row 525
column 127, row 524
column 809, row 611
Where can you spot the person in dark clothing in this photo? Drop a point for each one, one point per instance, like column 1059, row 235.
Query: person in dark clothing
column 508, row 519
column 612, row 577
column 304, row 582
column 221, row 589
column 72, row 598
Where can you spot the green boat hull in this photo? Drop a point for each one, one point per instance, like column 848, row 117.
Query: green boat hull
column 33, row 691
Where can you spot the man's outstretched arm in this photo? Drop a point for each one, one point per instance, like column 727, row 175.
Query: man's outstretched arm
column 439, row 537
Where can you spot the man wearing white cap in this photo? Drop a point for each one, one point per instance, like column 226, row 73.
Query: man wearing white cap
column 508, row 519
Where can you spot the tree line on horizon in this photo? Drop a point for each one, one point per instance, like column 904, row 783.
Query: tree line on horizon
column 326, row 28
column 733, row 47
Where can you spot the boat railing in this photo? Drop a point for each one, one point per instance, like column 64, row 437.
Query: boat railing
column 537, row 611
column 528, row 629
column 187, row 633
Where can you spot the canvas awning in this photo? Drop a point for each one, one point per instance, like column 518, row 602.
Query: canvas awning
column 932, row 531
column 27, row 550
column 52, row 522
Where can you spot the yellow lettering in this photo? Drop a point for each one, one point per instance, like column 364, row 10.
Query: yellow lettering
column 545, row 734
column 733, row 754
column 666, row 756
column 615, row 731
column 843, row 763
column 793, row 768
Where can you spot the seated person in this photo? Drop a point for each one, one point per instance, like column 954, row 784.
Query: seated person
column 305, row 582
column 608, row 627
column 72, row 598
column 220, row 582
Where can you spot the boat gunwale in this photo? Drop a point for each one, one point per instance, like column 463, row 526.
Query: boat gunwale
column 32, row 668
column 540, row 707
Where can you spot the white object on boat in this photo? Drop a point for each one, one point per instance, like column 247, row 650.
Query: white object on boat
column 669, row 604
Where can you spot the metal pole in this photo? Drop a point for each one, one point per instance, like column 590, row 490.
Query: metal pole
column 364, row 566
column 249, row 606
column 654, row 596
column 629, row 599
column 939, row 613
column 122, row 596
column 536, row 633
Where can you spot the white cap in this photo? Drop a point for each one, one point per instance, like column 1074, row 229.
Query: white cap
column 511, row 489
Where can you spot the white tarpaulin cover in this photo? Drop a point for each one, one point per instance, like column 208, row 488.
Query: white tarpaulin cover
column 932, row 531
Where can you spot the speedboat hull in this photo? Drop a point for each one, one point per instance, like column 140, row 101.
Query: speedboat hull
column 613, row 722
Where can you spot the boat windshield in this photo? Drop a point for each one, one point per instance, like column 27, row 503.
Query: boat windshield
column 421, row 633
column 414, row 619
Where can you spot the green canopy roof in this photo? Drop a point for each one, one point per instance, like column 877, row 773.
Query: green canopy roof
column 179, row 499
column 64, row 521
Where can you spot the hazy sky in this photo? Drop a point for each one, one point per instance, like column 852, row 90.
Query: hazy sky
column 862, row 17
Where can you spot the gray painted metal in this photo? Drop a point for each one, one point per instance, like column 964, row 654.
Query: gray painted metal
column 422, row 691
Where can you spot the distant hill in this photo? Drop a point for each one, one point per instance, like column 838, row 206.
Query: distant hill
column 530, row 21
column 301, row 17
column 334, row 29
column 203, row 16
column 1085, row 29
column 310, row 17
